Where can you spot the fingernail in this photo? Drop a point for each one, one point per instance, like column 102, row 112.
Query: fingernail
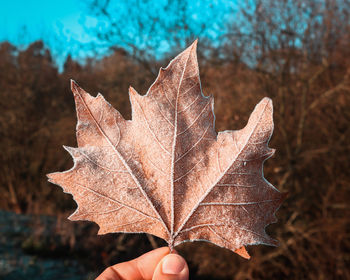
column 173, row 264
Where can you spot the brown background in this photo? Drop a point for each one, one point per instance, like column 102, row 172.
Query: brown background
column 297, row 54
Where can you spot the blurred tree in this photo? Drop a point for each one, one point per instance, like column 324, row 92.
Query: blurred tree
column 30, row 102
column 152, row 30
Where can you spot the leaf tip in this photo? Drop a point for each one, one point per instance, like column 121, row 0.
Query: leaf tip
column 73, row 85
column 193, row 47
column 49, row 176
column 52, row 177
column 266, row 102
column 132, row 91
column 69, row 149
column 272, row 152
column 274, row 243
column 195, row 43
column 267, row 99
column 75, row 216
column 133, row 94
column 243, row 252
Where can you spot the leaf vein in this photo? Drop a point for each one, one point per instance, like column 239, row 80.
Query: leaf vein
column 115, row 201
column 196, row 119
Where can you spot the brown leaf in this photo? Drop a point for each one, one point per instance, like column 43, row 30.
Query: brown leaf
column 166, row 171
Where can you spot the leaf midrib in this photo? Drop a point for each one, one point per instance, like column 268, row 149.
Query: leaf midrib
column 172, row 173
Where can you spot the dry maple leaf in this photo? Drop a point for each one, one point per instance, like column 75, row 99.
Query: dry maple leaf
column 167, row 172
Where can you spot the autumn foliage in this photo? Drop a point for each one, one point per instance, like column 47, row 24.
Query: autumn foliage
column 309, row 83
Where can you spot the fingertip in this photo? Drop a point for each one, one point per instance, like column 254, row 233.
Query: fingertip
column 171, row 267
column 173, row 264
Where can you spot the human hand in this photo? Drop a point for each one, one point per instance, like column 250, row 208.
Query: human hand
column 155, row 265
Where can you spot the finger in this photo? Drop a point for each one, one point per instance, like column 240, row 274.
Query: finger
column 171, row 267
column 141, row 268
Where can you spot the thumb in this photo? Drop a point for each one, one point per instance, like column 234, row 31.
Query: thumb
column 171, row 267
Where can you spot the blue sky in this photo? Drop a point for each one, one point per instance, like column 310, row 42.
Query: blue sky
column 57, row 21
column 60, row 23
